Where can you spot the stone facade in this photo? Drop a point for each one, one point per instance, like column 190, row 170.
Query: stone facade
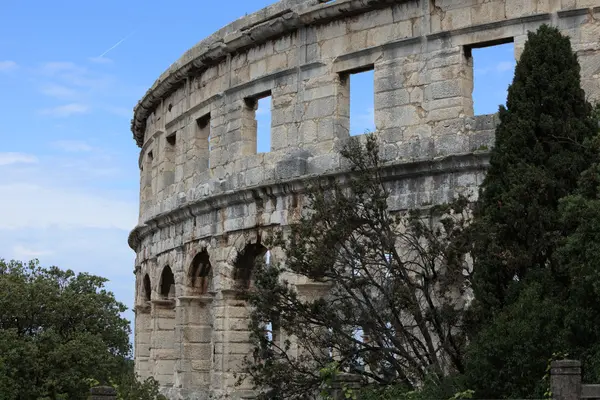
column 207, row 197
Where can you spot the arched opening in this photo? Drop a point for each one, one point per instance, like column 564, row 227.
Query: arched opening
column 147, row 290
column 244, row 263
column 200, row 276
column 167, row 283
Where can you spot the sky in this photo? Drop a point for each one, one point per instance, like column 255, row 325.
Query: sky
column 70, row 75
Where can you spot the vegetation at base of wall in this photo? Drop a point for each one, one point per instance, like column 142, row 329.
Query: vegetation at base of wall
column 534, row 230
column 396, row 278
column 58, row 331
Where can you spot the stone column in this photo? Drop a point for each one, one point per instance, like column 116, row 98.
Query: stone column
column 231, row 341
column 143, row 333
column 194, row 333
column 162, row 355
column 565, row 379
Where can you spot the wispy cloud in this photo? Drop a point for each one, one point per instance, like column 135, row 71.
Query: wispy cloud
column 62, row 207
column 66, row 110
column 499, row 68
column 17, row 158
column 6, row 66
column 21, row 252
column 505, row 66
column 72, row 146
column 100, row 60
column 59, row 91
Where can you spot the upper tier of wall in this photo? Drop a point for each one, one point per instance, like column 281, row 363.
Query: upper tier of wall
column 301, row 53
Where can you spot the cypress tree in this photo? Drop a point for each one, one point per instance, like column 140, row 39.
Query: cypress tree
column 527, row 305
column 541, row 150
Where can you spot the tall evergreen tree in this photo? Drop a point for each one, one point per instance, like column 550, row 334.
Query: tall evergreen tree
column 534, row 265
column 541, row 150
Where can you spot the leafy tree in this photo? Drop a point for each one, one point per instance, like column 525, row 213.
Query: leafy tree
column 533, row 256
column 397, row 279
column 58, row 331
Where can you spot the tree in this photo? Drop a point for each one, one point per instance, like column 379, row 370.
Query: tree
column 542, row 147
column 58, row 332
column 527, row 279
column 392, row 289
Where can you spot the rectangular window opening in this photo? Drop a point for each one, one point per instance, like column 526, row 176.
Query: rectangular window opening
column 202, row 141
column 493, row 65
column 361, row 87
column 263, row 124
column 172, row 139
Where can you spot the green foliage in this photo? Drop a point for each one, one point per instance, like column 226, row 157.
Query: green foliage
column 59, row 331
column 392, row 276
column 542, row 146
column 534, row 231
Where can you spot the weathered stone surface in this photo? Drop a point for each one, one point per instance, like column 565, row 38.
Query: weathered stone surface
column 204, row 189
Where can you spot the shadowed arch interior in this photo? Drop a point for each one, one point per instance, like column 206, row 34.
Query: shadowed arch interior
column 244, row 263
column 201, row 273
column 167, row 283
column 147, row 288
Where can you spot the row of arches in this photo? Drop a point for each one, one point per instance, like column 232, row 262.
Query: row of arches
column 199, row 277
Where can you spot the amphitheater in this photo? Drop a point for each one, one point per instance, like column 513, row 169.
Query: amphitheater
column 208, row 197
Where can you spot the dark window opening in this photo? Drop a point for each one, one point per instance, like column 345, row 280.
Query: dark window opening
column 150, row 156
column 492, row 68
column 172, row 139
column 167, row 283
column 147, row 288
column 245, row 262
column 202, row 139
column 200, row 273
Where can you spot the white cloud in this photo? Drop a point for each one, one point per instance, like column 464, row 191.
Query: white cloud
column 37, row 206
column 6, row 66
column 56, row 67
column 17, row 158
column 505, row 66
column 73, row 146
column 100, row 60
column 59, row 91
column 20, row 252
column 65, row 110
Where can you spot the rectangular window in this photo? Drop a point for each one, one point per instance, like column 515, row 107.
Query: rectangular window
column 493, row 66
column 257, row 123
column 202, row 142
column 361, row 100
column 167, row 166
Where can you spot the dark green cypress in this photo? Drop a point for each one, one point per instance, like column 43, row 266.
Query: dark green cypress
column 541, row 149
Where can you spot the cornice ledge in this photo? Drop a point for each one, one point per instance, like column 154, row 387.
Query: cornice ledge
column 451, row 163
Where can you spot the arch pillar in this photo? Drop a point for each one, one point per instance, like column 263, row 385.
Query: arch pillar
column 231, row 338
column 162, row 354
column 142, row 339
column 193, row 333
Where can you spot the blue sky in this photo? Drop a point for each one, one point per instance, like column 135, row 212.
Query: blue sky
column 68, row 164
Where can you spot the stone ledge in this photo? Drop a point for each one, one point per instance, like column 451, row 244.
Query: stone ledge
column 392, row 171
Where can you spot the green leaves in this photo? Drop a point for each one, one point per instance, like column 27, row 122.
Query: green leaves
column 57, row 330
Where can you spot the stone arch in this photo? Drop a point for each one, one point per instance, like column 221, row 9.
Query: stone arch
column 167, row 283
column 200, row 274
column 146, row 288
column 244, row 264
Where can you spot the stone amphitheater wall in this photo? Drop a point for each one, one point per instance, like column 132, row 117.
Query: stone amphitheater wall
column 207, row 196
